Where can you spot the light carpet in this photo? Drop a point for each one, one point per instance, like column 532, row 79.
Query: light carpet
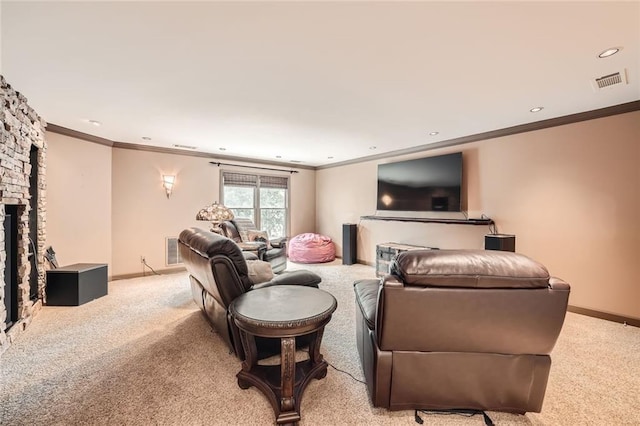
column 145, row 354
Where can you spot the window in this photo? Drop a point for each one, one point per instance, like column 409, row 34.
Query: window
column 263, row 199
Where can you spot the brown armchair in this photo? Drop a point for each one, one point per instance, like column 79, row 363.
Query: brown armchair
column 274, row 252
column 459, row 329
column 219, row 272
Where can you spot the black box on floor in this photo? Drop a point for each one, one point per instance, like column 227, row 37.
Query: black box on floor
column 504, row 242
column 76, row 284
column 349, row 243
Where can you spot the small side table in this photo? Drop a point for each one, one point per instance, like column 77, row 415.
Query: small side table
column 283, row 312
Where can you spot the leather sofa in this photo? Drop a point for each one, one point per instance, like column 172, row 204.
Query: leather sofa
column 459, row 329
column 275, row 252
column 219, row 272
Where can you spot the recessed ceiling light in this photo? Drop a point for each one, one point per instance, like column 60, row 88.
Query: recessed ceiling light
column 222, row 149
column 609, row 52
column 94, row 122
column 146, row 138
column 278, row 156
column 433, row 133
column 330, row 158
column 373, row 147
column 536, row 109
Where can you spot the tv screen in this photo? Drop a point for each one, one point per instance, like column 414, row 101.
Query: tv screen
column 423, row 184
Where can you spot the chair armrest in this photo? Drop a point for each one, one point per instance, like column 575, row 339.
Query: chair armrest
column 559, row 284
column 278, row 242
column 305, row 278
column 367, row 299
column 250, row 255
column 254, row 246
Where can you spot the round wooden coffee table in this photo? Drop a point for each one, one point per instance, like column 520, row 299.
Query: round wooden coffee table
column 283, row 312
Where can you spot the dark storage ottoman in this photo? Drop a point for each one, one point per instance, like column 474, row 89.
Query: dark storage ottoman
column 76, row 284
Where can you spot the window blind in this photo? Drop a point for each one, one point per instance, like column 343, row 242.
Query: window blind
column 239, row 179
column 242, row 179
column 274, row 182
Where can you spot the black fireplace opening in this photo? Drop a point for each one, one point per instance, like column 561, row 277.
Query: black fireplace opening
column 11, row 264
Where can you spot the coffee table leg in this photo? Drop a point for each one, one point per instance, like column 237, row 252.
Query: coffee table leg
column 288, row 413
column 250, row 356
column 314, row 347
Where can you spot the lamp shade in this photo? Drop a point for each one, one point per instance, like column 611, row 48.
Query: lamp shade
column 215, row 213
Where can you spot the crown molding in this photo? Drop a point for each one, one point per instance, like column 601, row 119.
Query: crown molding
column 523, row 128
column 54, row 128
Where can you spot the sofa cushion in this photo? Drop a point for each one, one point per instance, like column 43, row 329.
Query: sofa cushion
column 469, row 269
column 259, row 271
column 259, row 236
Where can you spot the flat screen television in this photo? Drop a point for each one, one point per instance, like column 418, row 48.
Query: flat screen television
column 421, row 185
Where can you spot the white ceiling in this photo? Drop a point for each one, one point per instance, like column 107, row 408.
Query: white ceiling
column 320, row 82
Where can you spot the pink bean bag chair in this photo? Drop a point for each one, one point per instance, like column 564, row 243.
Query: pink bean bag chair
column 311, row 248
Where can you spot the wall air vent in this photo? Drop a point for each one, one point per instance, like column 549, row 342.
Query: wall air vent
column 184, row 146
column 173, row 254
column 609, row 80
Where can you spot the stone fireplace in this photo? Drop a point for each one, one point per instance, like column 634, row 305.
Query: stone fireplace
column 22, row 212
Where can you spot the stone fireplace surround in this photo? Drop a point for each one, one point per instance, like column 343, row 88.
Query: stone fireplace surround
column 20, row 129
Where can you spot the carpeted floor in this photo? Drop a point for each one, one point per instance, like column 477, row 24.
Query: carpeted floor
column 144, row 354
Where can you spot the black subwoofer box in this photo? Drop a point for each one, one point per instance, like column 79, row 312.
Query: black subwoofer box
column 349, row 243
column 504, row 242
column 76, row 284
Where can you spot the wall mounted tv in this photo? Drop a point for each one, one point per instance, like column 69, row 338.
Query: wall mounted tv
column 421, row 185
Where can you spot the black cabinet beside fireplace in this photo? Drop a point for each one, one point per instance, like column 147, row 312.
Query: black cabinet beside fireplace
column 76, row 284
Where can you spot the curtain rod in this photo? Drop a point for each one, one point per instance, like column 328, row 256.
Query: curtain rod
column 252, row 167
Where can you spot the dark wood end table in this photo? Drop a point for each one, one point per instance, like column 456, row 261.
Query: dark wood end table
column 284, row 312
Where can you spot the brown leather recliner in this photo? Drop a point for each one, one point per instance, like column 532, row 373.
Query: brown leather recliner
column 275, row 254
column 219, row 273
column 459, row 329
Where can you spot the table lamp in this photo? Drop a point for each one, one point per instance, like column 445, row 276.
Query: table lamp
column 216, row 214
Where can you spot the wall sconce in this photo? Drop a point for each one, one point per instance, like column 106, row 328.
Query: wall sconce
column 167, row 183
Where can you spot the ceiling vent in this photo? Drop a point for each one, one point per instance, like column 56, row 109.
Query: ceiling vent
column 610, row 80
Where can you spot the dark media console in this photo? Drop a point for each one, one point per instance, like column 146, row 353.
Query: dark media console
column 431, row 220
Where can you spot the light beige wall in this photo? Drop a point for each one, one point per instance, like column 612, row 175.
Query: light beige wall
column 143, row 216
column 571, row 195
column 303, row 202
column 78, row 199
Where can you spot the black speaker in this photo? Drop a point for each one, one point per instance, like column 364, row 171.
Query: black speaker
column 349, row 243
column 504, row 242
